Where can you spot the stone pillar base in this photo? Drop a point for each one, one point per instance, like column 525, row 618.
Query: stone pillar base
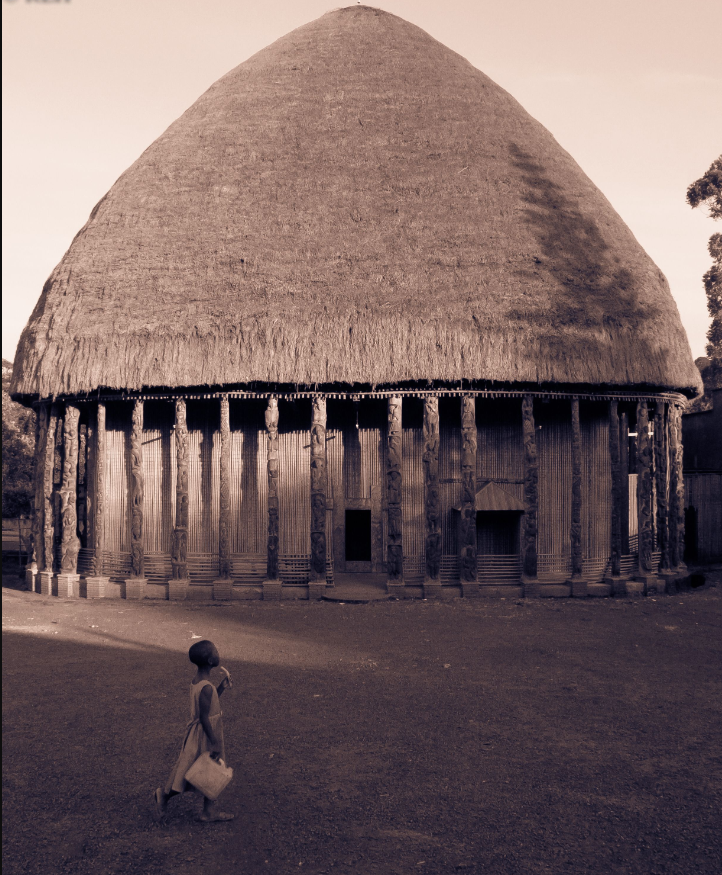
column 530, row 586
column 432, row 589
column 650, row 582
column 316, row 589
column 578, row 587
column 135, row 587
column 272, row 590
column 634, row 588
column 96, row 587
column 470, row 589
column 178, row 589
column 555, row 590
column 599, row 590
column 31, row 574
column 46, row 582
column 617, row 584
column 395, row 588
column 223, row 589
column 670, row 582
column 68, row 585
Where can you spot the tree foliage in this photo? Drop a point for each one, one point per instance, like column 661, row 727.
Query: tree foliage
column 707, row 190
column 18, row 451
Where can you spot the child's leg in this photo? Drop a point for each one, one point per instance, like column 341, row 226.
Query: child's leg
column 211, row 814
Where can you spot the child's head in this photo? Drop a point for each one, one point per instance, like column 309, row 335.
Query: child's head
column 204, row 654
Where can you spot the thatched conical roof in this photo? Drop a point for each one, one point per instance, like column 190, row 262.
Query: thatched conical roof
column 356, row 203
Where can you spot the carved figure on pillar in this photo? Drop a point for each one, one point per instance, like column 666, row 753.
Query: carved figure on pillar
column 662, row 486
column 644, row 489
column 136, row 490
column 224, row 534
column 69, row 543
column 531, row 487
column 273, row 466
column 432, row 503
column 318, row 490
column 624, row 479
column 41, row 436
column 82, row 500
column 576, row 527
column 57, row 482
column 179, row 551
column 99, row 491
column 48, row 543
column 467, row 534
column 394, row 552
column 614, row 457
column 676, row 489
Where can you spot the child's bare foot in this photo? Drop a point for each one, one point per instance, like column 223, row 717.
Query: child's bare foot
column 161, row 802
column 216, row 817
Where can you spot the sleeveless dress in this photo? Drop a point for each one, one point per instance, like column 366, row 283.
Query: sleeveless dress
column 195, row 741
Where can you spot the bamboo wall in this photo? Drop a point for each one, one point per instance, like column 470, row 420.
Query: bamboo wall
column 703, row 492
column 356, row 464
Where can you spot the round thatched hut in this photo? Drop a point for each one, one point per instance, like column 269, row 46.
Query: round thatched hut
column 355, row 311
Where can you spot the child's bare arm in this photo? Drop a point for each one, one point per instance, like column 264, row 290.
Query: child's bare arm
column 204, row 707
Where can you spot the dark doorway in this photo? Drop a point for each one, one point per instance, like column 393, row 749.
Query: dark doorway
column 497, row 533
column 358, row 536
column 690, row 534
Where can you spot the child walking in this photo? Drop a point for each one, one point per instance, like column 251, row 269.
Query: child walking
column 204, row 731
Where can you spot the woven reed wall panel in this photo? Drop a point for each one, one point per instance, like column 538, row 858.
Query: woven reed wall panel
column 159, row 472
column 633, row 529
column 204, row 467
column 500, row 450
column 596, row 482
column 117, row 474
column 554, row 454
column 249, row 479
column 704, row 493
column 294, row 493
column 412, row 494
column 449, row 479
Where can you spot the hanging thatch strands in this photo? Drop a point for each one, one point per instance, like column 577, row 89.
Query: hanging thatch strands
column 616, row 515
column 450, row 486
column 319, row 480
column 467, row 535
column 179, row 551
column 70, row 544
column 596, row 485
column 531, row 488
column 553, row 439
column 576, row 526
column 273, row 530
column 159, row 487
column 676, row 489
column 644, row 489
column 394, row 553
column 224, row 540
column 661, row 483
column 136, row 490
column 249, row 482
column 432, row 505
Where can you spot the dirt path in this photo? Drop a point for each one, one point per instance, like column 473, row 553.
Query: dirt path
column 474, row 737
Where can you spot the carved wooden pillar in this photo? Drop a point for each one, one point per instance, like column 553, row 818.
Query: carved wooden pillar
column 178, row 585
column 531, row 496
column 676, row 490
column 272, row 585
column 578, row 586
column 394, row 550
column 41, row 436
column 136, row 490
column 432, row 502
column 662, row 482
column 317, row 582
column 467, row 528
column 82, row 497
column 616, row 521
column 57, row 483
column 644, row 490
column 69, row 543
column 624, row 481
column 223, row 586
column 96, row 582
column 47, row 537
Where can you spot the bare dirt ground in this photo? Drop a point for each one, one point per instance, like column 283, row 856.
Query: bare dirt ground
column 469, row 736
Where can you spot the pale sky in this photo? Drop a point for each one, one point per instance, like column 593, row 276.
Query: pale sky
column 631, row 88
